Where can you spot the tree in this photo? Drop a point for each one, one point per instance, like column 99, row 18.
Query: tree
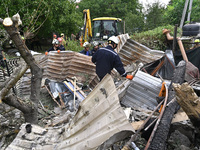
column 57, row 16
column 63, row 18
column 30, row 108
column 134, row 23
column 174, row 12
column 154, row 16
column 128, row 10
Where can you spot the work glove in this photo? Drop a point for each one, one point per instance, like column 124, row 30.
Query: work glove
column 46, row 53
column 130, row 77
column 58, row 51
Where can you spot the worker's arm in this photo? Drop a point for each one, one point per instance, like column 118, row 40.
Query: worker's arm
column 120, row 68
column 93, row 59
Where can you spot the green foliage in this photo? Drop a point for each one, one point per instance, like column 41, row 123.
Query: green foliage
column 173, row 13
column 110, row 8
column 128, row 10
column 74, row 46
column 63, row 18
column 154, row 16
column 155, row 39
column 134, row 23
column 32, row 13
column 59, row 16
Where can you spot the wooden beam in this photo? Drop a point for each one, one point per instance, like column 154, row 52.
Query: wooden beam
column 189, row 101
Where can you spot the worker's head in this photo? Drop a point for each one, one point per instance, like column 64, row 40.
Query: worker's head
column 55, row 36
column 96, row 45
column 113, row 41
column 197, row 41
column 55, row 42
column 86, row 45
column 62, row 34
column 59, row 40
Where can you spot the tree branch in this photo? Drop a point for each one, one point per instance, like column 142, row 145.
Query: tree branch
column 12, row 100
column 12, row 81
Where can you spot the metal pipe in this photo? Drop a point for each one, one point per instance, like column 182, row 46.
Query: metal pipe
column 174, row 38
column 182, row 50
column 169, row 37
column 183, row 14
column 190, row 10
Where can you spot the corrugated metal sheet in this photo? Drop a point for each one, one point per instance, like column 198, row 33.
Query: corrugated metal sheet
column 143, row 91
column 122, row 40
column 100, row 116
column 133, row 51
column 67, row 64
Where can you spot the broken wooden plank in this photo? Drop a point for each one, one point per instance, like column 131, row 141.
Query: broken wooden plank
column 189, row 101
column 52, row 96
column 70, row 86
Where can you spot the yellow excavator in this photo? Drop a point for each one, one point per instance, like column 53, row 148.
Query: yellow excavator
column 103, row 28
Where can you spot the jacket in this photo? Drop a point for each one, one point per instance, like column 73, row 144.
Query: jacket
column 106, row 59
column 88, row 53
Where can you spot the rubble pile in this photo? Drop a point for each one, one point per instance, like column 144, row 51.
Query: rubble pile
column 76, row 111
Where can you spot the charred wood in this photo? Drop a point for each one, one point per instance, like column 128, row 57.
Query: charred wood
column 160, row 137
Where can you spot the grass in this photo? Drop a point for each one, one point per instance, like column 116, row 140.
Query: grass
column 155, row 39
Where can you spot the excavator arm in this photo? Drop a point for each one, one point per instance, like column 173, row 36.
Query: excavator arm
column 87, row 30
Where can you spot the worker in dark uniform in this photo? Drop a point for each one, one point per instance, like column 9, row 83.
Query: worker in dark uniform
column 86, row 50
column 61, row 47
column 55, row 47
column 106, row 59
column 95, row 47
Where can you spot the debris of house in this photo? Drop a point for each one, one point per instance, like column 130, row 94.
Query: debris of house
column 192, row 69
column 189, row 101
column 143, row 92
column 69, row 64
column 66, row 94
column 133, row 52
column 100, row 116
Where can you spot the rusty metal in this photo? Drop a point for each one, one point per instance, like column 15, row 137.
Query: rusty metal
column 67, row 64
column 133, row 52
column 158, row 67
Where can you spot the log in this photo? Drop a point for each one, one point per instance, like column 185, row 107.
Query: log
column 189, row 101
column 160, row 136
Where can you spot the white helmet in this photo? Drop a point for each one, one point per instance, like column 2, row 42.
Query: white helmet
column 55, row 41
column 95, row 43
column 113, row 39
column 86, row 44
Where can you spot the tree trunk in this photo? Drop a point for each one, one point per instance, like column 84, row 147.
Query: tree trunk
column 11, row 26
column 160, row 137
column 189, row 101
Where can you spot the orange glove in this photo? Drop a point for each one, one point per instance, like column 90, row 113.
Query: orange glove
column 46, row 53
column 130, row 77
column 58, row 51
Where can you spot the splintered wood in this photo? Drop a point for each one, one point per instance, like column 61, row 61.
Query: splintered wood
column 189, row 101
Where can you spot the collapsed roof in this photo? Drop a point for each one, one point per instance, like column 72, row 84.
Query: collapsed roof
column 100, row 114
